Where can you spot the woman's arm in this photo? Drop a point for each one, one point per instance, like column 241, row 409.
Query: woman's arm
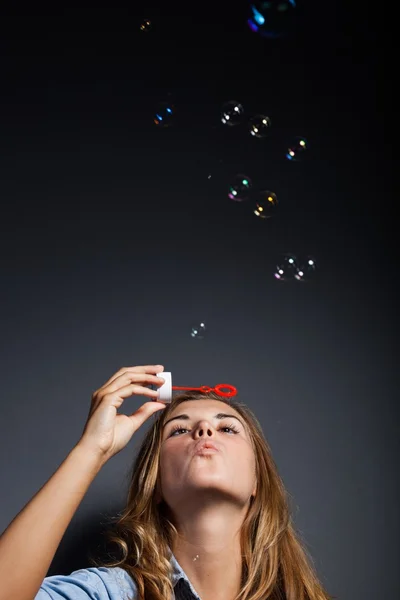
column 28, row 545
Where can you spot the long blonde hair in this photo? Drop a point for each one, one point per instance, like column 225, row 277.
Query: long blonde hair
column 275, row 565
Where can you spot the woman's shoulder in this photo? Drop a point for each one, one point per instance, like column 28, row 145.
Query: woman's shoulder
column 93, row 583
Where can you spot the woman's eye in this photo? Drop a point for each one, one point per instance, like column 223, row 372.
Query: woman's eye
column 233, row 429
column 176, row 430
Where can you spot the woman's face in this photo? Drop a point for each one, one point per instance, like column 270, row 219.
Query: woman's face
column 189, row 474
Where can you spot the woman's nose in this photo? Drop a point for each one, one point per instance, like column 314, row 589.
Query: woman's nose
column 205, row 429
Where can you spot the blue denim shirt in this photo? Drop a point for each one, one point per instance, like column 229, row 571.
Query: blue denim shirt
column 103, row 583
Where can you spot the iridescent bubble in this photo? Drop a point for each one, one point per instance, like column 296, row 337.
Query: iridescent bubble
column 232, row 113
column 272, row 19
column 297, row 149
column 266, row 203
column 286, row 268
column 306, row 271
column 259, row 126
column 240, row 188
column 164, row 114
column 198, row 330
column 145, row 25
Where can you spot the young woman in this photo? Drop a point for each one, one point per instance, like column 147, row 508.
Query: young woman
column 207, row 515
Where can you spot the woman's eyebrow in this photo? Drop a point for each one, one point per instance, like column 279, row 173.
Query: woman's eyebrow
column 217, row 416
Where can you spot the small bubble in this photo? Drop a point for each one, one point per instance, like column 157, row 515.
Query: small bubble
column 198, row 330
column 232, row 113
column 307, row 270
column 240, row 188
column 286, row 268
column 266, row 203
column 272, row 19
column 259, row 126
column 164, row 115
column 145, row 25
column 296, row 149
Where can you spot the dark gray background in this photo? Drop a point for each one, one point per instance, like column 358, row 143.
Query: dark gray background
column 114, row 240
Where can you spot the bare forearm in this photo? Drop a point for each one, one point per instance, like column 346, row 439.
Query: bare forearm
column 28, row 545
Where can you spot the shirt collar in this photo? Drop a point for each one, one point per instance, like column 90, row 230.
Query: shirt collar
column 178, row 574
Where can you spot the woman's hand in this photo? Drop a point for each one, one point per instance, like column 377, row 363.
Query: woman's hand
column 106, row 432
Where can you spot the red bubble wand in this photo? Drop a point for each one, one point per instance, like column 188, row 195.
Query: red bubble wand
column 218, row 389
column 164, row 393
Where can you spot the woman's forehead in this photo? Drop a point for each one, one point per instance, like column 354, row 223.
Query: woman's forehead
column 203, row 405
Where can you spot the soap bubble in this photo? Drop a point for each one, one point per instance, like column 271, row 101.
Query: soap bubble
column 232, row 113
column 240, row 188
column 272, row 19
column 259, row 126
column 164, row 114
column 287, row 268
column 145, row 25
column 306, row 271
column 198, row 330
column 297, row 149
column 266, row 203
